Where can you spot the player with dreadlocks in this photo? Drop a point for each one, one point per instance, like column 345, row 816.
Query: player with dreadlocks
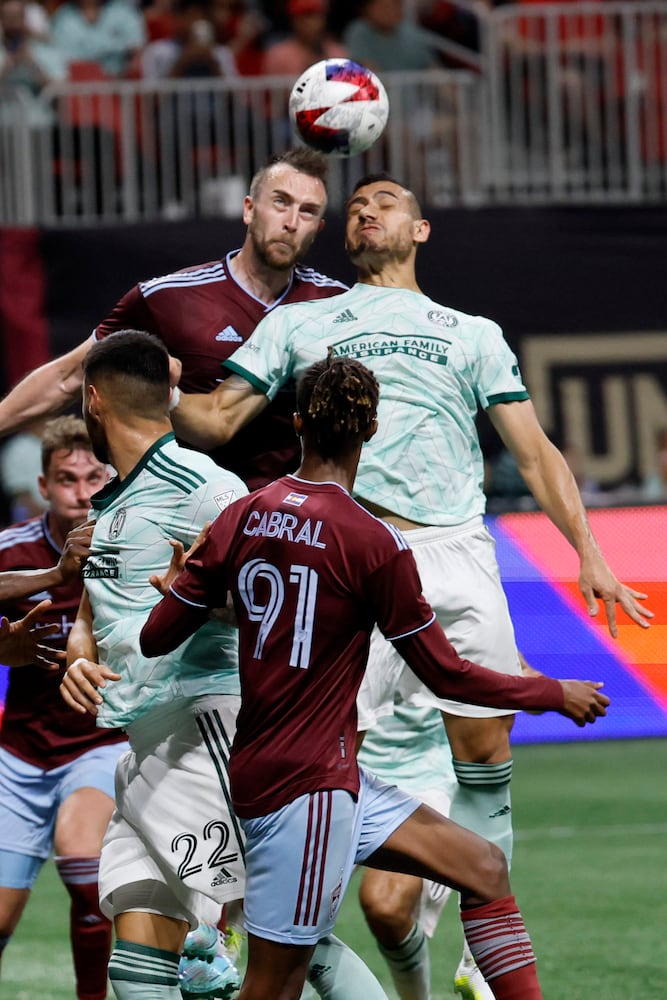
column 310, row 572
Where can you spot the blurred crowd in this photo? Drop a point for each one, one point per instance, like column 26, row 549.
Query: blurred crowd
column 46, row 40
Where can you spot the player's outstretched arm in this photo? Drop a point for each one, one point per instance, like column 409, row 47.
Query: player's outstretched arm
column 551, row 482
column 21, row 642
column 212, row 419
column 16, row 584
column 432, row 657
column 46, row 391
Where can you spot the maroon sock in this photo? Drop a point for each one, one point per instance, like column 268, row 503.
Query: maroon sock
column 499, row 942
column 90, row 931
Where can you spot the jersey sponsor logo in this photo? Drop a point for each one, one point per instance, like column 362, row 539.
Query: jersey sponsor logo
column 230, row 335
column 345, row 317
column 382, row 344
column 442, row 318
column 223, row 500
column 117, row 523
column 295, row 499
column 101, row 568
column 280, row 524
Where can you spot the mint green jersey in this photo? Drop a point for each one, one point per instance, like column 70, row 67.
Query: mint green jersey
column 409, row 749
column 170, row 494
column 435, row 366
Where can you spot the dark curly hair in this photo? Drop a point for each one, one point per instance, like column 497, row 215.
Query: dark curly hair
column 337, row 399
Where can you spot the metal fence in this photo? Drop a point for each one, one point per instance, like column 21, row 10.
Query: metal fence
column 563, row 103
column 577, row 102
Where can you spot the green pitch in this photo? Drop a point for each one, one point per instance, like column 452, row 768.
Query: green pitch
column 590, row 873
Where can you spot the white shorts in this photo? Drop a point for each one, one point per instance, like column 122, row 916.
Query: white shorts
column 461, row 580
column 173, row 824
column 300, row 858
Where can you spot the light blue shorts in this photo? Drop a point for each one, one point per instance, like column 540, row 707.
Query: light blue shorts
column 29, row 802
column 300, row 858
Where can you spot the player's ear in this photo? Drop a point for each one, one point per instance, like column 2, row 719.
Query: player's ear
column 91, row 399
column 297, row 422
column 321, row 225
column 421, row 231
column 41, row 486
column 247, row 209
column 372, row 431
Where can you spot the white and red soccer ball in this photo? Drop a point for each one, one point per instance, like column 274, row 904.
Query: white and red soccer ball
column 338, row 107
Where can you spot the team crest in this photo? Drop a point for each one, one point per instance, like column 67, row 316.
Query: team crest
column 117, row 523
column 335, row 899
column 442, row 318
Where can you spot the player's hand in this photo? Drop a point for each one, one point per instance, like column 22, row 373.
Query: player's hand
column 583, row 701
column 80, row 684
column 75, row 551
column 179, row 557
column 597, row 582
column 21, row 642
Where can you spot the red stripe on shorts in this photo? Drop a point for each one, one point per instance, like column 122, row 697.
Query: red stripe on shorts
column 314, row 859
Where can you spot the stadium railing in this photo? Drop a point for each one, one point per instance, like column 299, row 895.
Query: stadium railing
column 16, row 160
column 561, row 104
column 578, row 102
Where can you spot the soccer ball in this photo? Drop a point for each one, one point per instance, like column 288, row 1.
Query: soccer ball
column 339, row 107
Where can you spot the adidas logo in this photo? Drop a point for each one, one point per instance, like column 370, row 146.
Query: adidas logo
column 229, row 334
column 345, row 317
column 224, row 877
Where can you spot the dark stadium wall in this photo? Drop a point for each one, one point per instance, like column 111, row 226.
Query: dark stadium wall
column 579, row 292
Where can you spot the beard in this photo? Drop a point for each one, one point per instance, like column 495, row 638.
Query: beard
column 370, row 255
column 275, row 256
column 98, row 438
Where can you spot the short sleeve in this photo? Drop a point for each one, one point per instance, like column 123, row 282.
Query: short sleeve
column 265, row 359
column 496, row 368
column 129, row 313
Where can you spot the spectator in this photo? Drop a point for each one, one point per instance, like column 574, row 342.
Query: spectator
column 307, row 43
column 382, row 39
column 457, row 24
column 193, row 51
column 106, row 32
column 26, row 63
column 160, row 20
column 242, row 31
column 37, row 21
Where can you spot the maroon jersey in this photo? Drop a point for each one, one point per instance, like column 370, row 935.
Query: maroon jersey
column 202, row 314
column 311, row 572
column 37, row 725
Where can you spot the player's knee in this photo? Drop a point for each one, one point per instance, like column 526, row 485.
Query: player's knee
column 492, row 873
column 387, row 909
